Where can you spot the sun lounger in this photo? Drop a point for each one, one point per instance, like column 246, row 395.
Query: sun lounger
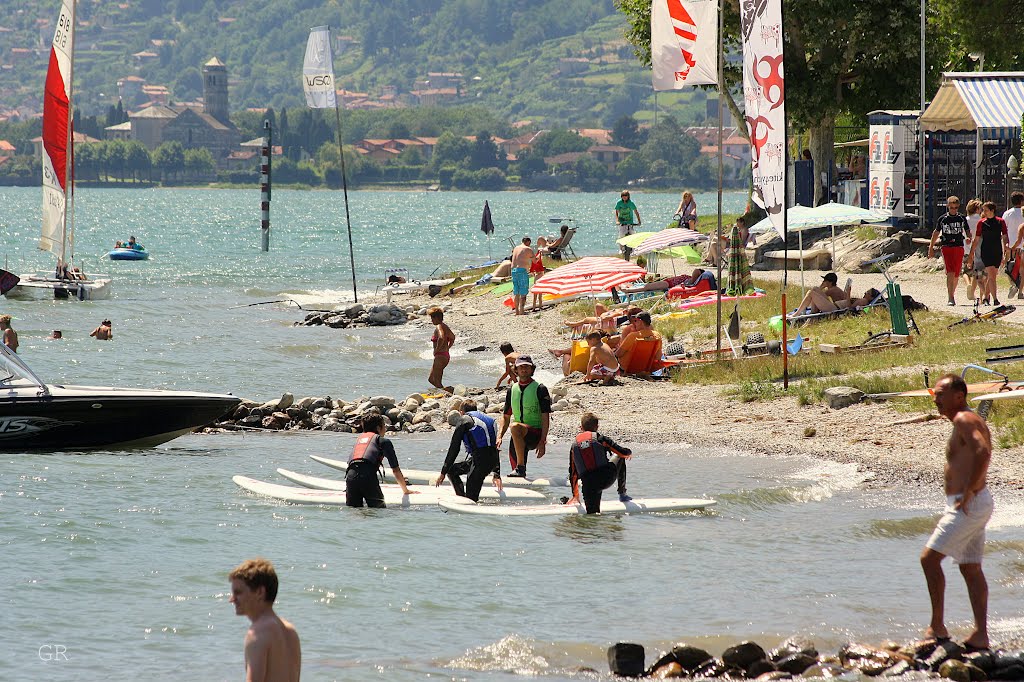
column 645, row 358
column 796, row 318
column 559, row 252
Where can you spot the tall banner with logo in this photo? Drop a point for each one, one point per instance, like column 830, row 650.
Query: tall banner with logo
column 888, row 168
column 684, row 43
column 318, row 70
column 764, row 95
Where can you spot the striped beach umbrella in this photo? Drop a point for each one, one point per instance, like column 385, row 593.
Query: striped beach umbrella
column 675, row 236
column 739, row 269
column 593, row 273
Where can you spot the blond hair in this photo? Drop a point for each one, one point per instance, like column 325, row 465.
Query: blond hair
column 973, row 206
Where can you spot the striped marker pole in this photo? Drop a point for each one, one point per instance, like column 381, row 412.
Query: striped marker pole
column 265, row 188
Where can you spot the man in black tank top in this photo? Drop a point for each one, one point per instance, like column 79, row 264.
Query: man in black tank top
column 952, row 229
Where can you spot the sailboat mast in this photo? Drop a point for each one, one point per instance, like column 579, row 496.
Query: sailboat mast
column 69, row 193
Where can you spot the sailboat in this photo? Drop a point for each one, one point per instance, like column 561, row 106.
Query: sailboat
column 58, row 234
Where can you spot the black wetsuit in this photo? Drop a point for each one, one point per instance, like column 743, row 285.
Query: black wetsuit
column 477, row 432
column 361, row 482
column 589, row 465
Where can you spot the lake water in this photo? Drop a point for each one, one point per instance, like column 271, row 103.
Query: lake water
column 121, row 559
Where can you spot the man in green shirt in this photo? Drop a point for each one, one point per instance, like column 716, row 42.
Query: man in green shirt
column 624, row 210
column 528, row 411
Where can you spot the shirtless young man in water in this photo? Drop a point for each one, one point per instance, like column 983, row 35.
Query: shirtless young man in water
column 960, row 532
column 272, row 651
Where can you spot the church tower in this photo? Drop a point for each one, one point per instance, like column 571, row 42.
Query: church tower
column 215, row 90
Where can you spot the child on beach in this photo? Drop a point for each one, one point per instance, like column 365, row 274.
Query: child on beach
column 537, row 269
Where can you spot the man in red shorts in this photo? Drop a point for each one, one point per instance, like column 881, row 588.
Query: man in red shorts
column 953, row 229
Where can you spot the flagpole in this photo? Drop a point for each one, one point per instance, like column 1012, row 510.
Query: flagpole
column 344, row 190
column 721, row 171
column 785, row 226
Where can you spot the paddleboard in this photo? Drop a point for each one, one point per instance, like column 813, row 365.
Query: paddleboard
column 636, row 506
column 486, row 493
column 982, row 387
column 502, row 289
column 1004, row 395
column 393, row 495
column 425, row 477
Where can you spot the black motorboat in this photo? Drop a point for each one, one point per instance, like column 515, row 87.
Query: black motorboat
column 39, row 416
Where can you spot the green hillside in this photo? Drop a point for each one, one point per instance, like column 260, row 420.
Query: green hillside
column 557, row 62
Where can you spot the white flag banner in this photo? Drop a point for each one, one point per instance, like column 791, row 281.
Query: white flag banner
column 764, row 95
column 684, row 43
column 318, row 70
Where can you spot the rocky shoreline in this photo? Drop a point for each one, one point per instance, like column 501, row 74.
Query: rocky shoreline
column 799, row 658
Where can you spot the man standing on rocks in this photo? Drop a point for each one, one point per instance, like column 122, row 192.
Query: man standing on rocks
column 477, row 432
column 528, row 410
column 960, row 532
column 522, row 256
column 371, row 449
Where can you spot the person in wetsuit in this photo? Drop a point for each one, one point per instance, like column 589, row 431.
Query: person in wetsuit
column 477, row 432
column 590, row 464
column 369, row 453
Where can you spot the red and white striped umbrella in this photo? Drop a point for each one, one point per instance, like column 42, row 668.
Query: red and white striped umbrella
column 666, row 239
column 593, row 273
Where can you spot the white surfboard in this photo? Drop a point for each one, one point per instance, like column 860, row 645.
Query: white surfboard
column 318, row 483
column 1003, row 395
column 425, row 477
column 636, row 506
column 393, row 495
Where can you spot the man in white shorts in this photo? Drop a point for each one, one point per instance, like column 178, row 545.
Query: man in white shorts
column 960, row 532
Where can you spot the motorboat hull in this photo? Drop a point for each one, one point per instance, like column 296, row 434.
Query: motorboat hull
column 128, row 254
column 89, row 417
column 43, row 287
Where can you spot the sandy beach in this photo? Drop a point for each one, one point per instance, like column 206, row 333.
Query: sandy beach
column 875, row 436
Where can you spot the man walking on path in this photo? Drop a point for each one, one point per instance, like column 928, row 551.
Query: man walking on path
column 624, row 210
column 960, row 532
column 1014, row 219
column 272, row 650
column 527, row 415
column 953, row 229
column 522, row 256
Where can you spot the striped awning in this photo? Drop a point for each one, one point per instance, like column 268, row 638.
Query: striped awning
column 991, row 103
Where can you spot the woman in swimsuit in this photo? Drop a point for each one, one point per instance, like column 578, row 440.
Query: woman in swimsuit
column 442, row 340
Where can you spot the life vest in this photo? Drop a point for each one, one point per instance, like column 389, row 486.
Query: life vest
column 526, row 404
column 588, row 454
column 367, row 449
column 483, row 433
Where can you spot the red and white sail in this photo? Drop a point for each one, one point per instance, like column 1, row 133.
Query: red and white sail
column 684, row 43
column 57, row 146
column 764, row 95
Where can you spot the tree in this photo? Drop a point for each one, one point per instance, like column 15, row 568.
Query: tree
column 452, row 150
column 837, row 59
column 559, row 141
column 115, row 156
column 485, row 154
column 199, row 163
column 137, row 160
column 627, row 133
column 169, row 159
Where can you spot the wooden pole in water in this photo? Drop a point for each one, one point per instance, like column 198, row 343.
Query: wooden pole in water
column 267, row 153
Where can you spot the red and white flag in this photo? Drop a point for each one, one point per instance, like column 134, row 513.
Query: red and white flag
column 684, row 43
column 764, row 95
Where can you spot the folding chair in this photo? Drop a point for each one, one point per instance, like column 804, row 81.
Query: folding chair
column 565, row 247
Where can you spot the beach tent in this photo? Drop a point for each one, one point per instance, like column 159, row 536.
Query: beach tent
column 988, row 103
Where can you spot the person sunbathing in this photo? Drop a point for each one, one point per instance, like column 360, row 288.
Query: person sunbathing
column 565, row 354
column 603, row 317
column 816, row 301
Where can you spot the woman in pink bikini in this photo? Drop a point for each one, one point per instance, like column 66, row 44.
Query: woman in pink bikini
column 442, row 340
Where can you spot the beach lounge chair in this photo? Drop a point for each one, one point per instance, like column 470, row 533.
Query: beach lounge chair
column 564, row 248
column 796, row 318
column 645, row 358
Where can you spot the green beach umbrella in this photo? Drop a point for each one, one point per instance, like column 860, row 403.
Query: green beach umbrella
column 633, row 240
column 739, row 268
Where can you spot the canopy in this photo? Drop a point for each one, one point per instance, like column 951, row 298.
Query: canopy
column 799, row 218
column 590, row 274
column 674, row 236
column 988, row 102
